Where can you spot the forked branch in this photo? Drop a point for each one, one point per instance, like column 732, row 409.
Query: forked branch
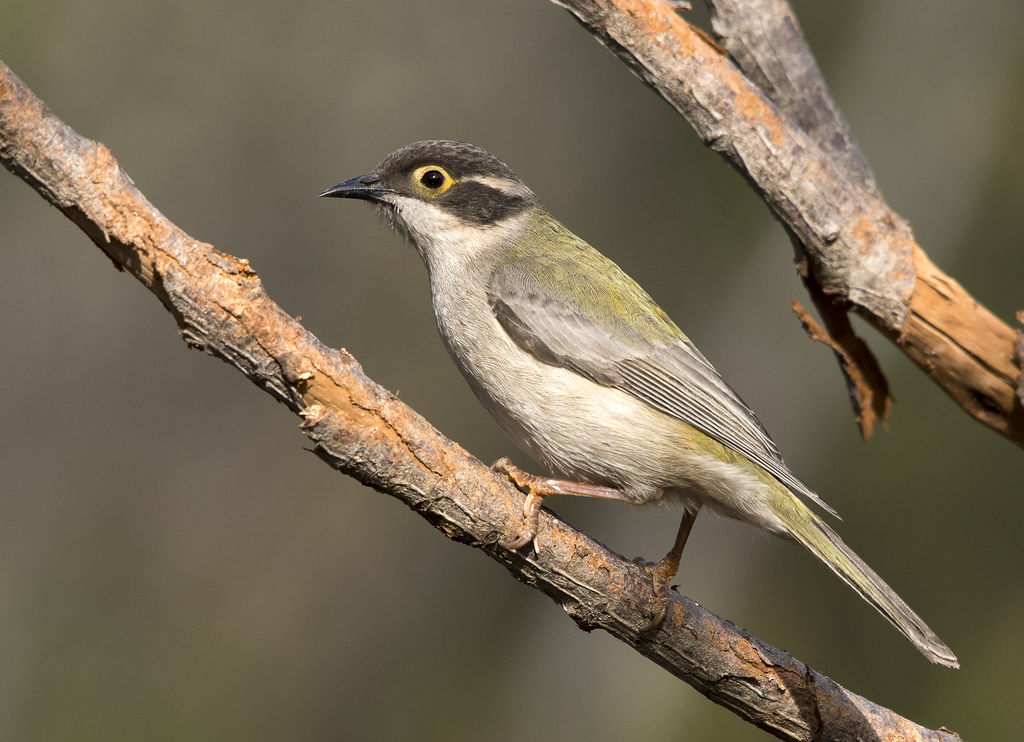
column 772, row 119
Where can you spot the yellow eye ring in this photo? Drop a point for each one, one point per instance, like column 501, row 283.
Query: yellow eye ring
column 433, row 179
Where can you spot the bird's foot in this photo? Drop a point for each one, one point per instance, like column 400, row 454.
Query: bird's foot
column 661, row 581
column 537, row 488
column 528, row 483
column 664, row 571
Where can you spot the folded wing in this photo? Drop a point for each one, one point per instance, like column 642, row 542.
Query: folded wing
column 633, row 347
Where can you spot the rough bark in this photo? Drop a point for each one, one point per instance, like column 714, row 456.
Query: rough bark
column 363, row 430
column 778, row 127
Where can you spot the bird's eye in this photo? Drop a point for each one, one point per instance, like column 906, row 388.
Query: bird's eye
column 434, row 178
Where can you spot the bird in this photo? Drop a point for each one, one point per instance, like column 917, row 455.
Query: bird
column 587, row 374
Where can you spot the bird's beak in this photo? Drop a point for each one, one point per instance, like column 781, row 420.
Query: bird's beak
column 367, row 187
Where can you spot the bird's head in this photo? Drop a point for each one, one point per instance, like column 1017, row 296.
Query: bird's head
column 442, row 193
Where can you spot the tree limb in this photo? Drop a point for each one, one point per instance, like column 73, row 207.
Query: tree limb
column 363, row 430
column 855, row 249
column 764, row 39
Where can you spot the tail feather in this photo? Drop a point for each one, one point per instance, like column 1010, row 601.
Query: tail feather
column 825, row 544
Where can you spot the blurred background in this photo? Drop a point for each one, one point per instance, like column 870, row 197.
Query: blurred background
column 175, row 565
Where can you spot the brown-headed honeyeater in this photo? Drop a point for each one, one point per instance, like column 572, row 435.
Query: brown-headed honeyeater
column 586, row 373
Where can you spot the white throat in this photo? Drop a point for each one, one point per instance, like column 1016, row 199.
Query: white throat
column 447, row 244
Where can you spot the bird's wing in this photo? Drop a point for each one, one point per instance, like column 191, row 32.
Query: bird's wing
column 635, row 348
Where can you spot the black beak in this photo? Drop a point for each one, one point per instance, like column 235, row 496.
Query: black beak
column 366, row 187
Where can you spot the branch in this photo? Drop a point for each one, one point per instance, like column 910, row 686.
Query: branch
column 363, row 430
column 764, row 39
column 856, row 251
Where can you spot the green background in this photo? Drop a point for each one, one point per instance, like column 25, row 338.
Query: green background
column 173, row 563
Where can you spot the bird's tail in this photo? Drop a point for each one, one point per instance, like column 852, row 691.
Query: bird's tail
column 825, row 544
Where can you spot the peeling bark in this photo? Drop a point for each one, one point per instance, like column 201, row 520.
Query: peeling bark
column 868, row 389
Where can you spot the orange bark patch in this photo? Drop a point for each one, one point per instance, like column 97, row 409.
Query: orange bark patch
column 657, row 19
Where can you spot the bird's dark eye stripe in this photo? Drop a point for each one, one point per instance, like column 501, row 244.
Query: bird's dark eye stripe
column 480, row 204
column 432, row 179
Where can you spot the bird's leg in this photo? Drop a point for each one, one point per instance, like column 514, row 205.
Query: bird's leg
column 537, row 488
column 666, row 569
column 663, row 572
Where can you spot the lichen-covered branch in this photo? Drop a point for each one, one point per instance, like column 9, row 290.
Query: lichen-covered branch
column 363, row 430
column 789, row 141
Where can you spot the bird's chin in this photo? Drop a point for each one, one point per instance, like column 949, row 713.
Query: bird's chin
column 389, row 215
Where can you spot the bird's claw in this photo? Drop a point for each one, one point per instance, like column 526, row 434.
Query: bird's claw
column 531, row 506
column 661, row 581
